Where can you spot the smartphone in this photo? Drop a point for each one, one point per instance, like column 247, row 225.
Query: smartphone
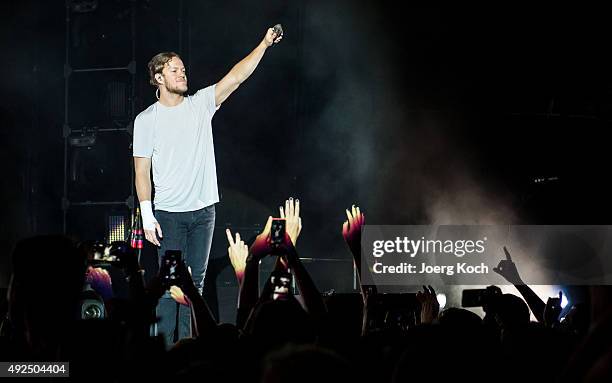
column 281, row 282
column 169, row 267
column 277, row 232
column 473, row 297
column 394, row 310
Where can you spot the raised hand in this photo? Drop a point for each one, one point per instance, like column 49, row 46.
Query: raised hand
column 429, row 304
column 552, row 310
column 507, row 269
column 351, row 229
column 293, row 221
column 238, row 252
column 185, row 287
column 249, row 288
column 272, row 37
column 261, row 246
column 185, row 281
column 177, row 294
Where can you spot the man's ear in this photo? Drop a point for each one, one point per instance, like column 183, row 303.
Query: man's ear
column 159, row 78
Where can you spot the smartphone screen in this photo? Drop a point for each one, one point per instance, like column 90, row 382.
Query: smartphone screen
column 277, row 231
column 281, row 281
column 171, row 260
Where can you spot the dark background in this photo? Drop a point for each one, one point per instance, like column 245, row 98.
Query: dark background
column 419, row 114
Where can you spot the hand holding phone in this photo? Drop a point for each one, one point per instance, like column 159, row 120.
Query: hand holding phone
column 552, row 310
column 480, row 297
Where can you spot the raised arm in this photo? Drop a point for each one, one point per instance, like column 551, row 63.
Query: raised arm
column 249, row 286
column 241, row 71
column 313, row 302
column 293, row 228
column 351, row 231
column 507, row 269
column 200, row 312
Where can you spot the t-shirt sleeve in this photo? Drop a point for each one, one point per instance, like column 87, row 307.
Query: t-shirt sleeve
column 205, row 99
column 142, row 144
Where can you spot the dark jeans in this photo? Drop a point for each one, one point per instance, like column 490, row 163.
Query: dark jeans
column 191, row 232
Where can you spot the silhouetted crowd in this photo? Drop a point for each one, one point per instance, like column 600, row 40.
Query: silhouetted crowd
column 51, row 315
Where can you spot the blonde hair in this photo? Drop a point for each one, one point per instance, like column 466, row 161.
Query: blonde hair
column 156, row 65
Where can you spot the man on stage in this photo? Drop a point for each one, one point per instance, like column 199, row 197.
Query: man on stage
column 174, row 138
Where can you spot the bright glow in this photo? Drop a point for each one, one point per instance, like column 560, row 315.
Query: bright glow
column 542, row 291
column 441, row 300
column 116, row 228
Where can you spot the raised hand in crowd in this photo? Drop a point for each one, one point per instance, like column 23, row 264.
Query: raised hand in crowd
column 311, row 297
column 176, row 292
column 293, row 221
column 507, row 269
column 179, row 297
column 293, row 227
column 430, row 308
column 186, row 291
column 261, row 245
column 249, row 289
column 237, row 252
column 552, row 310
column 351, row 231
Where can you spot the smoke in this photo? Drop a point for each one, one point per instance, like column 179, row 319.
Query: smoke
column 374, row 135
column 464, row 201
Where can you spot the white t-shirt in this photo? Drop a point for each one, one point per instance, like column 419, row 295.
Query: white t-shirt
column 179, row 141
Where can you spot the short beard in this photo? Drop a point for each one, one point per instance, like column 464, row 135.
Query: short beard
column 176, row 90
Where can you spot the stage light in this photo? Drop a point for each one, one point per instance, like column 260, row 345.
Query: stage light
column 116, row 228
column 441, row 300
column 564, row 301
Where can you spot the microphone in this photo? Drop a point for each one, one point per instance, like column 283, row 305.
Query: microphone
column 278, row 29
